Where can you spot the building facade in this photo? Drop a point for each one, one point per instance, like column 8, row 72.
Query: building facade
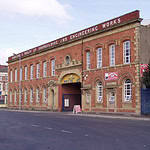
column 97, row 68
column 3, row 85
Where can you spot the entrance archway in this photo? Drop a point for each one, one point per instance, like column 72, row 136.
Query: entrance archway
column 71, row 91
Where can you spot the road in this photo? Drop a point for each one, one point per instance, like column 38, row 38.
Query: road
column 60, row 131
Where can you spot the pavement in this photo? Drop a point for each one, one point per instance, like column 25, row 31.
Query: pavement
column 99, row 115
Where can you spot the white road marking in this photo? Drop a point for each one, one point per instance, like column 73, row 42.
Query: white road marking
column 35, row 125
column 48, row 128
column 86, row 135
column 64, row 131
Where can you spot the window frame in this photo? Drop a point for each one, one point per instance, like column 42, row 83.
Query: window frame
column 112, row 49
column 127, row 89
column 53, row 67
column 99, row 57
column 37, row 70
column 99, row 92
column 31, row 72
column 125, row 48
column 88, row 60
column 25, row 73
column 44, row 69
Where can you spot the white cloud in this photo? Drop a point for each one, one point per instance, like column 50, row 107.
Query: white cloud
column 5, row 53
column 145, row 21
column 49, row 8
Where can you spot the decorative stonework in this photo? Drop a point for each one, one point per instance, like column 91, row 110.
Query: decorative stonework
column 52, row 83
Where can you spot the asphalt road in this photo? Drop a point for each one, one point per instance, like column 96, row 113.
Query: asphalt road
column 60, row 131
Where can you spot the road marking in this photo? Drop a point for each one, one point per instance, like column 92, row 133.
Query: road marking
column 64, row 131
column 86, row 135
column 48, row 128
column 35, row 125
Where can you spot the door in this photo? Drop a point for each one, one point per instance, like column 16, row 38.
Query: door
column 111, row 99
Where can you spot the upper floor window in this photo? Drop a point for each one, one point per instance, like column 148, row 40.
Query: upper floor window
column 127, row 90
column 99, row 57
column 126, row 52
column 20, row 73
column 26, row 73
column 53, row 67
column 44, row 69
column 31, row 72
column 88, row 63
column 99, row 91
column 16, row 73
column 37, row 70
column 11, row 76
column 112, row 54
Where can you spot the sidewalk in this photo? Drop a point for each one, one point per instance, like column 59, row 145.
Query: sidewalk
column 114, row 116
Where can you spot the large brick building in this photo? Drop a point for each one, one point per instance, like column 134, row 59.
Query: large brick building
column 97, row 68
column 3, row 85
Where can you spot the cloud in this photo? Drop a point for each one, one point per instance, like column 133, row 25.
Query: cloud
column 6, row 52
column 48, row 8
column 145, row 22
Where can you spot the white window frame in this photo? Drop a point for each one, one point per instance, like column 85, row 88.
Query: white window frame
column 25, row 72
column 15, row 96
column 88, row 62
column 127, row 90
column 25, row 96
column 10, row 97
column 20, row 96
column 45, row 95
column 31, row 72
column 99, row 91
column 31, row 95
column 16, row 75
column 99, row 57
column 44, row 69
column 20, row 73
column 53, row 67
column 127, row 52
column 37, row 95
column 37, row 70
column 112, row 54
column 11, row 76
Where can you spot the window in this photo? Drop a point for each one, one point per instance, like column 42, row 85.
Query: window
column 112, row 54
column 88, row 98
column 31, row 72
column 0, row 78
column 15, row 97
column 11, row 76
column 99, row 91
column 37, row 95
column 127, row 90
column 88, row 65
column 0, row 87
column 31, row 95
column 26, row 73
column 10, row 97
column 20, row 96
column 67, row 59
column 44, row 69
column 126, row 52
column 6, row 87
column 25, row 96
column 45, row 95
column 37, row 70
column 20, row 73
column 15, row 75
column 99, row 57
column 53, row 67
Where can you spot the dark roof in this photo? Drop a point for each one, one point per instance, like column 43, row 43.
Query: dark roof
column 3, row 68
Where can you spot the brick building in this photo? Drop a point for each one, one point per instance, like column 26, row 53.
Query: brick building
column 97, row 68
column 3, row 85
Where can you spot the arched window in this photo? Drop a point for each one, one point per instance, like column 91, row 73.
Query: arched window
column 31, row 95
column 37, row 95
column 25, row 96
column 127, row 90
column 99, row 91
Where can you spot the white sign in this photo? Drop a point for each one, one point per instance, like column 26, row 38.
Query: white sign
column 66, row 102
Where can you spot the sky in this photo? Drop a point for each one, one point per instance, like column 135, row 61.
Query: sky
column 25, row 24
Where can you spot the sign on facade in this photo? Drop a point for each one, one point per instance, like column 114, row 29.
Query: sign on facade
column 111, row 76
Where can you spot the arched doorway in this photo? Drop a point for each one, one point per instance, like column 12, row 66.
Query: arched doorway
column 71, row 91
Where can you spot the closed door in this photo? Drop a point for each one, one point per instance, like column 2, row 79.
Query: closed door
column 111, row 99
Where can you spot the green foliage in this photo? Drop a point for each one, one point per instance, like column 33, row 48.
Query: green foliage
column 146, row 77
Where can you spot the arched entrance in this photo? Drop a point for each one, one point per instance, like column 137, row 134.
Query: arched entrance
column 71, row 91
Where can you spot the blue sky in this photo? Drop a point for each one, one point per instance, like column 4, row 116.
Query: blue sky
column 25, row 24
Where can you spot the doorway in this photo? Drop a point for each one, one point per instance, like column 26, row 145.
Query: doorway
column 71, row 96
column 111, row 98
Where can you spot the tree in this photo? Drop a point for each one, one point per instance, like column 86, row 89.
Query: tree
column 146, row 76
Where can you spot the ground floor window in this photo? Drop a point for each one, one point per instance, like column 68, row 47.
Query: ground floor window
column 99, row 91
column 25, row 96
column 31, row 95
column 45, row 95
column 127, row 90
